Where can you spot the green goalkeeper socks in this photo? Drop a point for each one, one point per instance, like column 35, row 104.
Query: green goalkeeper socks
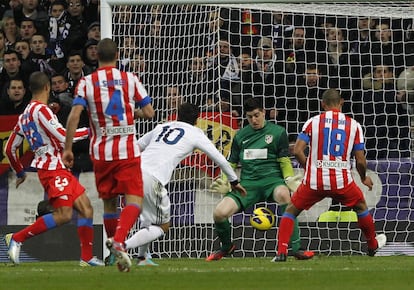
column 295, row 238
column 223, row 230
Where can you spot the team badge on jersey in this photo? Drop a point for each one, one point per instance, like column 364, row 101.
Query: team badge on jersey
column 269, row 139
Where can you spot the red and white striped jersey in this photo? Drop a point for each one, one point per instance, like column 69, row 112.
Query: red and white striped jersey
column 111, row 95
column 46, row 137
column 331, row 137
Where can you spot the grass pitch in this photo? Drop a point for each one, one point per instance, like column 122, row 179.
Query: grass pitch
column 346, row 272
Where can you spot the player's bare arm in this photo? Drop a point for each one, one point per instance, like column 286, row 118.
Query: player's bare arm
column 299, row 152
column 71, row 125
column 146, row 112
column 361, row 166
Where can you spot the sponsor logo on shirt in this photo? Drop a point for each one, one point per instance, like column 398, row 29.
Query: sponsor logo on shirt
column 331, row 164
column 116, row 131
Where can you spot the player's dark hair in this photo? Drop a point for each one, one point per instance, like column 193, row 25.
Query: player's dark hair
column 37, row 82
column 188, row 113
column 107, row 50
column 252, row 104
column 331, row 97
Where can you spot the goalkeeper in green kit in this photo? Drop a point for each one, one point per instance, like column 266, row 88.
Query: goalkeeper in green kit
column 262, row 149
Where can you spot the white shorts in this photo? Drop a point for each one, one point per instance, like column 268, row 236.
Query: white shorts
column 156, row 206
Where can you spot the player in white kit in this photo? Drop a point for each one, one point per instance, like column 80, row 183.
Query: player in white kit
column 163, row 149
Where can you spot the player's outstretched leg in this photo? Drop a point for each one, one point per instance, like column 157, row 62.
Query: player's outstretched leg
column 13, row 248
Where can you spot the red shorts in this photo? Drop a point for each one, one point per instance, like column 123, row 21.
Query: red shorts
column 304, row 197
column 61, row 186
column 118, row 177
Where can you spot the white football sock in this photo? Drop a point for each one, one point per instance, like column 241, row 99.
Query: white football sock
column 144, row 236
column 143, row 250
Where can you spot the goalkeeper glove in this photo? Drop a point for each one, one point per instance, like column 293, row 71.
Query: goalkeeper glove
column 293, row 182
column 220, row 186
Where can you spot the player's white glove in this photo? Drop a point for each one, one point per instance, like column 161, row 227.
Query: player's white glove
column 220, row 186
column 293, row 182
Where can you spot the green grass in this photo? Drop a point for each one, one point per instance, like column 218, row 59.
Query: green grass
column 353, row 272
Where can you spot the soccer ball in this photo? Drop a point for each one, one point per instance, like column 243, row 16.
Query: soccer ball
column 262, row 219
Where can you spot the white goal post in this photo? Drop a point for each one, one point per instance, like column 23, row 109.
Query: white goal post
column 363, row 48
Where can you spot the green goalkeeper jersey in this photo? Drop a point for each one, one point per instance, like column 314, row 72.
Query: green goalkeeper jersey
column 258, row 150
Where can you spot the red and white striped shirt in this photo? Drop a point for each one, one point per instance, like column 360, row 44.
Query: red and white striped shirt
column 46, row 137
column 331, row 136
column 111, row 96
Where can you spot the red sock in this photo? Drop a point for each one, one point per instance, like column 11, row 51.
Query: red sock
column 85, row 234
column 110, row 222
column 129, row 216
column 366, row 224
column 284, row 233
column 38, row 227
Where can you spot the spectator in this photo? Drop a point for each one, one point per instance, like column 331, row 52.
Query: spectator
column 405, row 86
column 58, row 27
column 15, row 102
column 44, row 62
column 90, row 55
column 173, row 99
column 336, row 58
column 78, row 27
column 127, row 52
column 22, row 46
column 11, row 69
column 75, row 69
column 303, row 99
column 360, row 40
column 270, row 63
column 10, row 30
column 385, row 120
column 249, row 74
column 385, row 50
column 94, row 31
column 281, row 26
column 251, row 79
column 61, row 91
column 196, row 85
column 27, row 29
column 228, row 65
column 382, row 78
column 30, row 9
column 295, row 53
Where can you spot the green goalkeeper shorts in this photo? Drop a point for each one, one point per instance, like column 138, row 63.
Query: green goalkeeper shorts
column 257, row 191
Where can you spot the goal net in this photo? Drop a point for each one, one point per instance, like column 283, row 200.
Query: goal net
column 287, row 54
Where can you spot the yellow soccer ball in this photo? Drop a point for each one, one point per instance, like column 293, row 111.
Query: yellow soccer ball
column 262, row 219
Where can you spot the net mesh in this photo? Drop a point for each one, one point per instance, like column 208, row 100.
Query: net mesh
column 286, row 54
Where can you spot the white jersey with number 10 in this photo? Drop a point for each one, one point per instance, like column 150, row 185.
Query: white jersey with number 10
column 167, row 144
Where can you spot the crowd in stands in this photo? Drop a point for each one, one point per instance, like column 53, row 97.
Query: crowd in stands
column 217, row 58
